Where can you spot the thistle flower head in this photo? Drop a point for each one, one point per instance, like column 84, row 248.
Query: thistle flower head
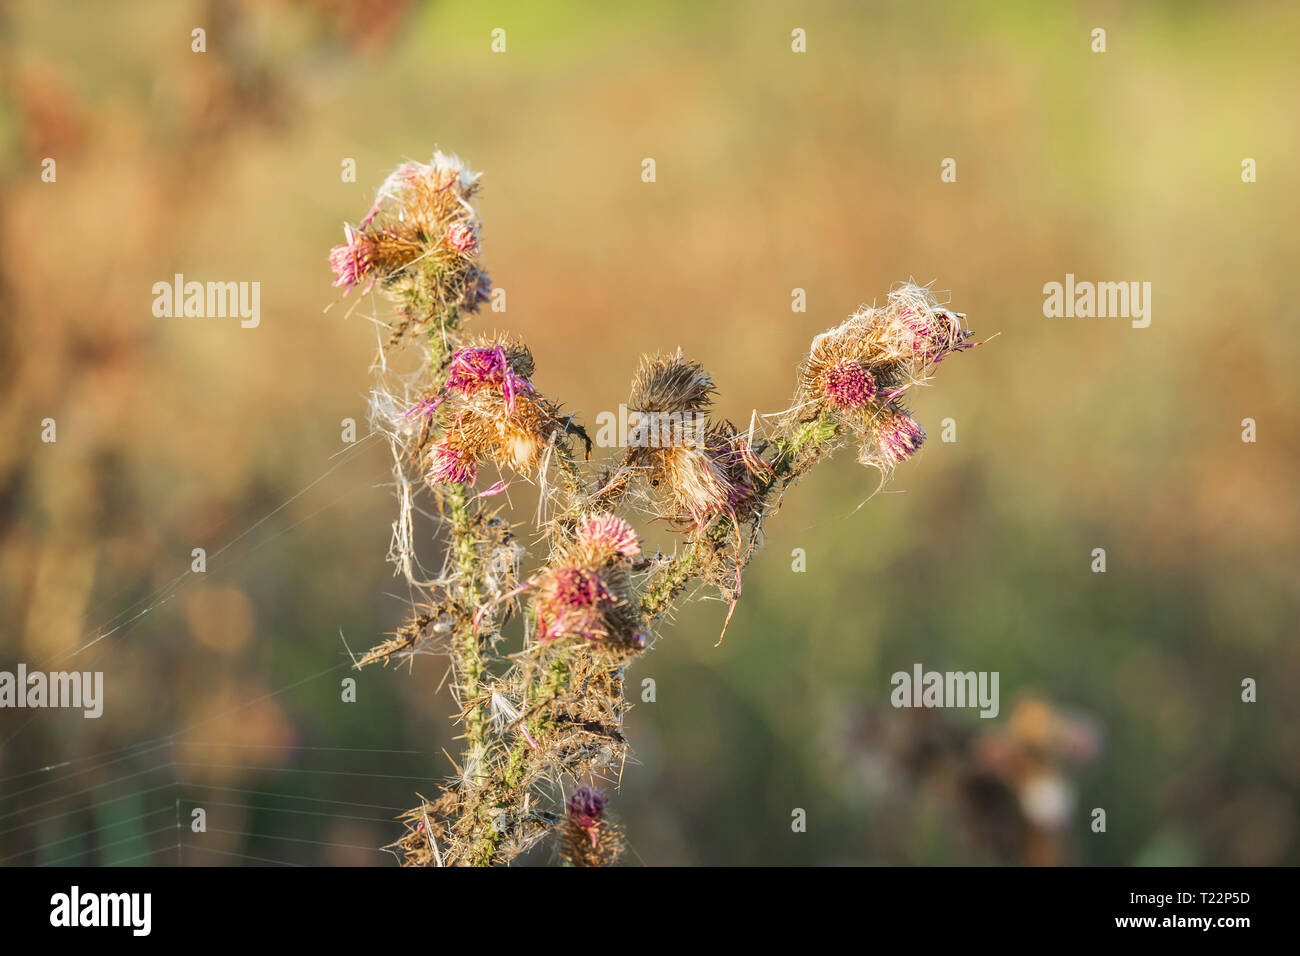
column 932, row 333
column 847, row 385
column 354, row 261
column 490, row 367
column 689, row 474
column 586, row 836
column 573, row 602
column 449, row 464
column 586, row 806
column 518, row 437
column 878, row 353
column 842, row 373
column 488, row 410
column 420, row 243
column 897, row 436
column 586, row 590
column 408, row 187
column 460, row 236
column 607, row 536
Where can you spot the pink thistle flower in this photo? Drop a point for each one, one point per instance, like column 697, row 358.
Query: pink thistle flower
column 461, row 238
column 353, row 262
column 474, row 369
column 585, row 808
column 898, row 436
column 609, row 533
column 573, row 601
column 449, row 465
column 848, row 386
column 935, row 335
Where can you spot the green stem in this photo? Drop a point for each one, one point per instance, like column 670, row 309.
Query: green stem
column 468, row 647
column 552, row 681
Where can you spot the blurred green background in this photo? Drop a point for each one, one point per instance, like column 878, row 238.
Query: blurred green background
column 775, row 171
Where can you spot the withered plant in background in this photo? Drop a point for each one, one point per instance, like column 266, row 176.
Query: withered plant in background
column 543, row 722
column 1013, row 789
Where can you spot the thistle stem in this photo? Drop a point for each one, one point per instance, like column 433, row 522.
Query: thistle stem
column 793, row 456
column 468, row 648
column 551, row 682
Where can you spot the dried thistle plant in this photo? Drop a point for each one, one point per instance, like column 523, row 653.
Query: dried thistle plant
column 543, row 723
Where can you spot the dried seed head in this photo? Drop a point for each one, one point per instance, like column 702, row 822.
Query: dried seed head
column 693, row 483
column 671, row 384
column 521, row 449
column 690, row 485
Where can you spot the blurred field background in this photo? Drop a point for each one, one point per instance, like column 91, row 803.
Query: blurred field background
column 820, row 171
